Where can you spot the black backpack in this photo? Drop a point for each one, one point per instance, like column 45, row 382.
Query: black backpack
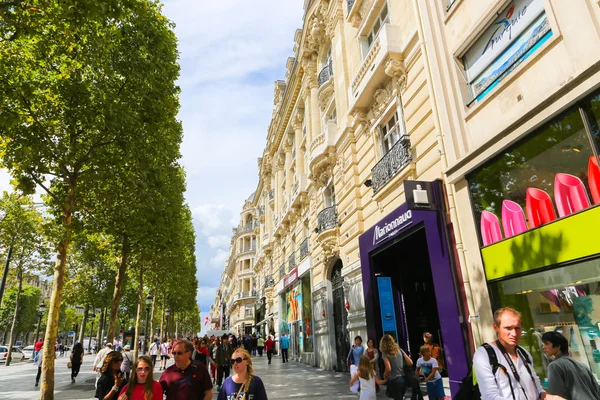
column 469, row 389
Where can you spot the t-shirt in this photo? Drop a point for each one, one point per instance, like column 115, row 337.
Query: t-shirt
column 105, row 385
column 230, row 389
column 190, row 383
column 427, row 367
column 164, row 349
column 285, row 342
column 571, row 379
column 154, row 349
column 38, row 346
column 138, row 392
column 396, row 364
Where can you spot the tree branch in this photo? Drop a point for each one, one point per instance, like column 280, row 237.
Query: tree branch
column 41, row 184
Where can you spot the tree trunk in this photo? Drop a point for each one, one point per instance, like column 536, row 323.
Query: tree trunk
column 138, row 318
column 119, row 286
column 99, row 335
column 162, row 319
column 47, row 387
column 151, row 321
column 83, row 322
column 11, row 337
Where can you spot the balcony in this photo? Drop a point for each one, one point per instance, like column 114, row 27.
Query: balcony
column 391, row 164
column 246, row 249
column 327, row 218
column 372, row 74
column 326, row 74
column 291, row 261
column 320, row 144
column 304, row 249
column 281, row 271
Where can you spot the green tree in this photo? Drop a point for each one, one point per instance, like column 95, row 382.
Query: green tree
column 82, row 87
column 27, row 315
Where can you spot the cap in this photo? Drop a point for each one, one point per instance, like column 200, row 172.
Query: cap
column 109, row 344
column 127, row 347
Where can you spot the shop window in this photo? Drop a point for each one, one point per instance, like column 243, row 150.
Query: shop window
column 562, row 146
column 564, row 299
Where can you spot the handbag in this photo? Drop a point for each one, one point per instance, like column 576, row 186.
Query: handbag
column 69, row 364
column 350, row 360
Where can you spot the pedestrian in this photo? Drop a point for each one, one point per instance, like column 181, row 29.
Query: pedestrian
column 567, row 378
column 269, row 345
column 142, row 385
column 164, row 355
column 38, row 363
column 112, row 380
column 503, row 368
column 214, row 366
column 153, row 351
column 373, row 354
column 99, row 361
column 76, row 360
column 254, row 344
column 36, row 349
column 436, row 351
column 243, row 384
column 284, row 343
column 127, row 361
column 260, row 345
column 185, row 380
column 394, row 359
column 224, row 352
column 367, row 378
column 429, row 366
column 356, row 352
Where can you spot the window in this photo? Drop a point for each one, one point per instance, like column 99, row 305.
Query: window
column 381, row 19
column 390, row 133
column 329, row 196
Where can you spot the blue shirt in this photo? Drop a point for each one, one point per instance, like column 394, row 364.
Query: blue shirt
column 285, row 342
column 356, row 351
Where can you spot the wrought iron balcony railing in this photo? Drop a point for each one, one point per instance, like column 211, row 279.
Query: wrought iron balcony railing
column 392, row 162
column 327, row 218
column 350, row 4
column 325, row 74
column 304, row 249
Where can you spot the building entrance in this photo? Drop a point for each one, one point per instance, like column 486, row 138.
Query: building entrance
column 406, row 261
column 340, row 318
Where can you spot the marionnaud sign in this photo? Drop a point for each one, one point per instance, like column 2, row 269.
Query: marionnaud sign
column 290, row 279
column 510, row 37
column 387, row 230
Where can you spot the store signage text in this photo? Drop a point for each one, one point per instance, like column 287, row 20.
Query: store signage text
column 290, row 279
column 389, row 229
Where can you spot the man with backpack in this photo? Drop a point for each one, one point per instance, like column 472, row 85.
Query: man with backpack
column 503, row 369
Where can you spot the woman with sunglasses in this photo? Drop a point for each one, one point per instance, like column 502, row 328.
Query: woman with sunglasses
column 142, row 385
column 112, row 379
column 243, row 382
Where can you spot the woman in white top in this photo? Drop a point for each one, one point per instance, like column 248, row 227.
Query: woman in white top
column 367, row 378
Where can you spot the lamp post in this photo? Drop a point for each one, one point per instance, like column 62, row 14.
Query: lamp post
column 93, row 316
column 148, row 304
column 40, row 314
column 167, row 313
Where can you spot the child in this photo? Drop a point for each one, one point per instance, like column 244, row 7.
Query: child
column 367, row 378
column 429, row 367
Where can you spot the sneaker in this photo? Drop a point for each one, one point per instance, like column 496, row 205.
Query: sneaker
column 72, row 380
column 37, row 383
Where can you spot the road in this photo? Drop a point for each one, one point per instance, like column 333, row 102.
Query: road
column 283, row 381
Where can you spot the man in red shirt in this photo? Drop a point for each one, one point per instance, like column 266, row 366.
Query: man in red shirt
column 36, row 349
column 185, row 380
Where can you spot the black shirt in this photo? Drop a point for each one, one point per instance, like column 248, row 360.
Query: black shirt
column 105, row 384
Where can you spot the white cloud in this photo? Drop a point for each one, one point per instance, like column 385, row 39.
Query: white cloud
column 219, row 241
column 218, row 260
column 212, row 218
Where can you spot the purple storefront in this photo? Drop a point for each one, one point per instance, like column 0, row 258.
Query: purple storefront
column 411, row 284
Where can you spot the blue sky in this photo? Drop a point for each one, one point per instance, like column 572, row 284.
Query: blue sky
column 231, row 53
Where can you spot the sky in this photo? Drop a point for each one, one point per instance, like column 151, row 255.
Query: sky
column 231, row 53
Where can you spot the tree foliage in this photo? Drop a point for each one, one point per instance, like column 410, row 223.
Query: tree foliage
column 28, row 310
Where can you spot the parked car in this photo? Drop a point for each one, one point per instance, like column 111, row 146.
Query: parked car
column 28, row 352
column 17, row 355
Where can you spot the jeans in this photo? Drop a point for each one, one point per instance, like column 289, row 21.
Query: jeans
column 37, row 378
column 260, row 350
column 222, row 374
column 397, row 388
column 75, row 369
column 269, row 355
column 35, row 356
column 284, row 355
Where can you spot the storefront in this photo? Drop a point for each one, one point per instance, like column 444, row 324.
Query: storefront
column 409, row 280
column 296, row 314
column 536, row 206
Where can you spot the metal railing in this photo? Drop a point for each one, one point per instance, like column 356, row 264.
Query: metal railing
column 304, row 249
column 392, row 162
column 350, row 4
column 272, row 194
column 291, row 261
column 281, row 271
column 327, row 218
column 325, row 74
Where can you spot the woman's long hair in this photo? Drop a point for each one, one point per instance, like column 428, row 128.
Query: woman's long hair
column 148, row 386
column 388, row 345
column 365, row 368
column 110, row 357
column 249, row 370
column 77, row 352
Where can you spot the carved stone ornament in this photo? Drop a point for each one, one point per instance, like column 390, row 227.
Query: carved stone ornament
column 381, row 99
column 330, row 248
column 297, row 119
column 278, row 92
column 325, row 95
column 316, row 32
column 396, row 69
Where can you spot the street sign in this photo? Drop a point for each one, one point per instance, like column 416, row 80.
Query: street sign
column 71, row 334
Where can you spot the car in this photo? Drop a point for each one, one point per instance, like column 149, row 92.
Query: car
column 17, row 355
column 28, row 352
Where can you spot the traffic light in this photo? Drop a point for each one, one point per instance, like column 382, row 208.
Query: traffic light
column 75, row 327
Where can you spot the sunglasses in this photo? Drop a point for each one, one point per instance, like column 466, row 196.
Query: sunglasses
column 147, row 369
column 179, row 353
column 238, row 360
column 118, row 360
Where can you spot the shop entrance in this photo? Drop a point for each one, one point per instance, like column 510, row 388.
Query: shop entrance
column 340, row 317
column 406, row 261
column 295, row 341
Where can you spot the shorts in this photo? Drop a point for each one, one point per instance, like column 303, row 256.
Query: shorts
column 164, row 357
column 435, row 389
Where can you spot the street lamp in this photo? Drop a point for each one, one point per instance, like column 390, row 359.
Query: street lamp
column 93, row 316
column 148, row 304
column 40, row 314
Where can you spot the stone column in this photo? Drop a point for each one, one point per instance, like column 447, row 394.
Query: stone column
column 288, row 166
column 280, row 180
column 297, row 126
